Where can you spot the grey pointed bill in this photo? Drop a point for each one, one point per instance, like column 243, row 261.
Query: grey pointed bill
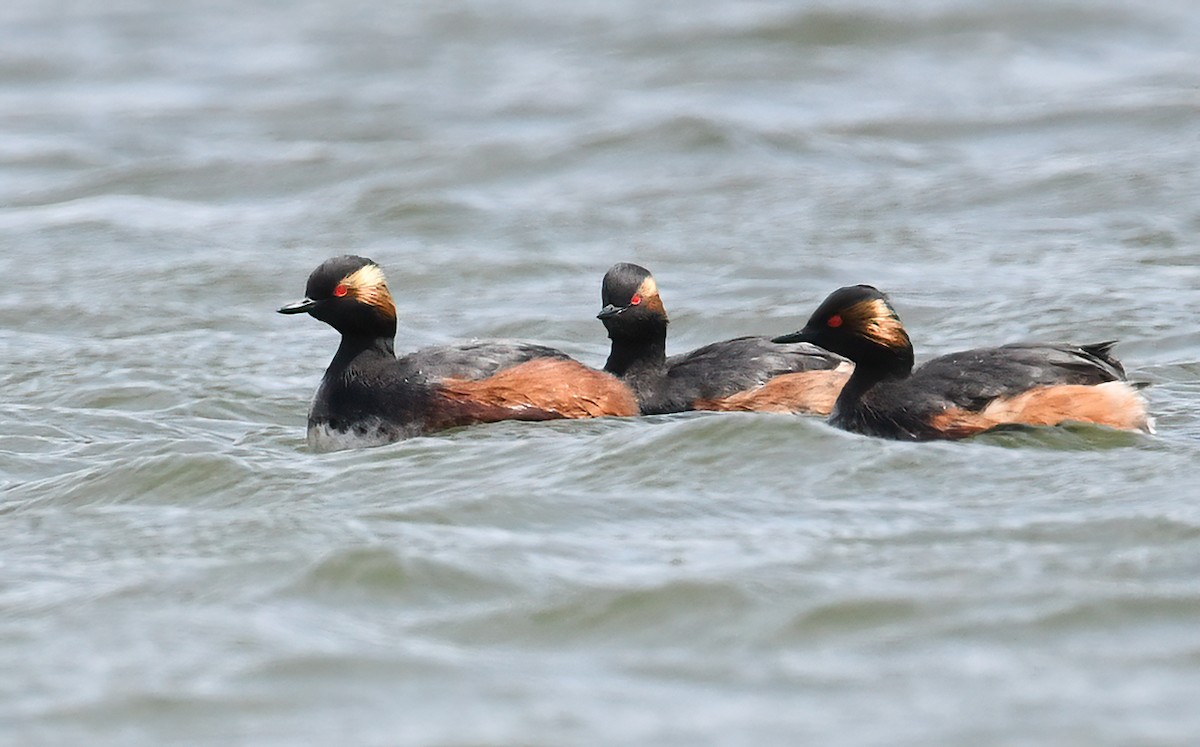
column 609, row 311
column 801, row 336
column 299, row 307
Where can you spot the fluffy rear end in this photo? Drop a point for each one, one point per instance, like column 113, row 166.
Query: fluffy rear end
column 1114, row 404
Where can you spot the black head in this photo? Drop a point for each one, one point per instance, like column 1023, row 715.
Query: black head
column 858, row 322
column 632, row 306
column 350, row 294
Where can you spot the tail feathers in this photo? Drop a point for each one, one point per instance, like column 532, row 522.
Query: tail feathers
column 1100, row 349
column 1102, row 352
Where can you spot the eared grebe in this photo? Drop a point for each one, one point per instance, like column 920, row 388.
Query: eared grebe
column 965, row 393
column 745, row 373
column 369, row 397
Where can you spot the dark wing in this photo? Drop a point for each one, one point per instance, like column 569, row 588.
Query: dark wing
column 724, row 368
column 973, row 378
column 470, row 360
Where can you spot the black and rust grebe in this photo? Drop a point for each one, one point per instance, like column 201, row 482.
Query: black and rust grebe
column 962, row 394
column 745, row 373
column 369, row 397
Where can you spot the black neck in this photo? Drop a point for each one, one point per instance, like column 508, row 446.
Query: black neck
column 630, row 356
column 354, row 346
column 870, row 371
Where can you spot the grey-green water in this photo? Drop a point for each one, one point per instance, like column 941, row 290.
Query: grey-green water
column 175, row 567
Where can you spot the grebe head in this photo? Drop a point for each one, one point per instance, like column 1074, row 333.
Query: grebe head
column 859, row 323
column 350, row 294
column 632, row 306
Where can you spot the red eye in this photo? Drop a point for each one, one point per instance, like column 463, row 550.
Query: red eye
column 834, row 321
column 635, row 300
column 340, row 290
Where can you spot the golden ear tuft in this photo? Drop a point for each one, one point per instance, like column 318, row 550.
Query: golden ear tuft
column 875, row 320
column 367, row 276
column 368, row 285
column 648, row 288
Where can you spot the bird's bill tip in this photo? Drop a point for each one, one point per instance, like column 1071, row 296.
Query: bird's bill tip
column 299, row 307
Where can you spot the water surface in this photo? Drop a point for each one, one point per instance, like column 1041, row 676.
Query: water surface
column 175, row 566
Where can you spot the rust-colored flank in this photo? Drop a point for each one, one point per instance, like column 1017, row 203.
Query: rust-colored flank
column 808, row 392
column 564, row 388
column 1115, row 404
